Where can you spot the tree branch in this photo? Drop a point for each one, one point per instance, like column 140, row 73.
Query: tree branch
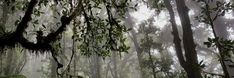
column 17, row 36
column 175, row 33
column 10, row 39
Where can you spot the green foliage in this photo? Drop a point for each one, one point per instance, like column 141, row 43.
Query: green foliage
column 201, row 64
column 179, row 74
column 226, row 46
column 149, row 43
column 17, row 5
column 220, row 9
column 158, row 4
column 102, row 35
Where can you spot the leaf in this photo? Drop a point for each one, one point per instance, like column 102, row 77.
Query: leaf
column 43, row 26
column 17, row 22
column 201, row 62
column 203, row 66
column 210, row 40
column 136, row 5
column 223, row 13
column 218, row 3
column 36, row 22
column 208, row 44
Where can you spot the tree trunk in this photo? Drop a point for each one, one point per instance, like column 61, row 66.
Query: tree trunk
column 190, row 64
column 192, row 68
column 177, row 40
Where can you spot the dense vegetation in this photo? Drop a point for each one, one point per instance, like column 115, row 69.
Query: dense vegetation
column 108, row 39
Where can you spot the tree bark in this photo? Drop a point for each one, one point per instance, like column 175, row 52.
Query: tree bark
column 190, row 62
column 175, row 33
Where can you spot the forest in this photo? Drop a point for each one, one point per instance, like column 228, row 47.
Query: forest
column 116, row 39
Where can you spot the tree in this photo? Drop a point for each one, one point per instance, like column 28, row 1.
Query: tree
column 147, row 44
column 109, row 30
column 159, row 64
column 130, row 23
column 190, row 62
column 211, row 15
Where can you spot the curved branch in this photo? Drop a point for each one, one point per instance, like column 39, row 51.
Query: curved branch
column 45, row 44
column 27, row 17
column 17, row 36
column 12, row 38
